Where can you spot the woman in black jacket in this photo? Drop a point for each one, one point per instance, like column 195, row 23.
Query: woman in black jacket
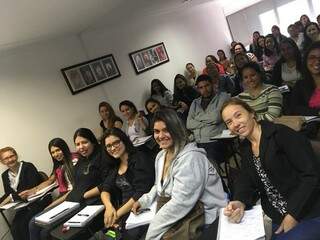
column 279, row 164
column 183, row 95
column 132, row 176
column 17, row 181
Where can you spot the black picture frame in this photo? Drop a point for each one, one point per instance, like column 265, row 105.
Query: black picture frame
column 149, row 57
column 85, row 75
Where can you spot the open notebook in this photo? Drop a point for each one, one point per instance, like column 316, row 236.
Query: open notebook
column 251, row 226
column 142, row 218
column 57, row 212
column 84, row 216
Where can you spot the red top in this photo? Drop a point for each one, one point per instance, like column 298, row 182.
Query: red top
column 314, row 101
column 220, row 69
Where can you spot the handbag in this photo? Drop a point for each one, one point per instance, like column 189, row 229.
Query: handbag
column 187, row 228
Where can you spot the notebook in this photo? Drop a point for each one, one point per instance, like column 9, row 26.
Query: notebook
column 251, row 226
column 42, row 192
column 84, row 216
column 142, row 218
column 57, row 212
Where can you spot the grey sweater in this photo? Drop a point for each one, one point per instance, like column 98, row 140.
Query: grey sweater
column 191, row 177
column 207, row 123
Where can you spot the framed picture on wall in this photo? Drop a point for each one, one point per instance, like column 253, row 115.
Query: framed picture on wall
column 149, row 57
column 91, row 73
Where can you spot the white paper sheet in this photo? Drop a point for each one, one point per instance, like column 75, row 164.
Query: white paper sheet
column 142, row 218
column 250, row 228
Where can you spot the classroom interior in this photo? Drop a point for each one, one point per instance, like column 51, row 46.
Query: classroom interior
column 40, row 39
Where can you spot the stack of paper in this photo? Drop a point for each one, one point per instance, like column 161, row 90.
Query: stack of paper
column 57, row 212
column 250, row 228
column 141, row 219
column 42, row 192
column 84, row 216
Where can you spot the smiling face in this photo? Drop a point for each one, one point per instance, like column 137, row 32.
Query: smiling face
column 56, row 153
column 238, row 120
column 238, row 49
column 304, row 20
column 162, row 135
column 287, row 51
column 127, row 112
column 269, row 43
column 313, row 62
column 261, row 42
column 180, row 83
column 152, row 107
column 84, row 146
column 9, row 158
column 115, row 146
column 104, row 112
column 190, row 68
column 205, row 88
column 209, row 61
column 312, row 32
column 251, row 79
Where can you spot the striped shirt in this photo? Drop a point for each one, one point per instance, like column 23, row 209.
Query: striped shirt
column 267, row 105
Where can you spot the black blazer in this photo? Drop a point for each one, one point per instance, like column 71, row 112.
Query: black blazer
column 140, row 174
column 290, row 163
column 29, row 178
column 89, row 173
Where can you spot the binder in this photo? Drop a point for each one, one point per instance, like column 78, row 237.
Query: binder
column 57, row 213
column 84, row 216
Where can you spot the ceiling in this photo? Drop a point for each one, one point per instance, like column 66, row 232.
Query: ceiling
column 22, row 22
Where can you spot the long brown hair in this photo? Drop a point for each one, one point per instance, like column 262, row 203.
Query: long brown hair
column 112, row 115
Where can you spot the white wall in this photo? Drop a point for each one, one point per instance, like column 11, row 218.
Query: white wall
column 36, row 104
column 189, row 35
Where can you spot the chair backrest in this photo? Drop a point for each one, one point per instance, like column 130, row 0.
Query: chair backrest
column 294, row 122
column 43, row 175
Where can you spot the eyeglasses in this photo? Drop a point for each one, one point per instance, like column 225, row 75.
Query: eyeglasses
column 115, row 144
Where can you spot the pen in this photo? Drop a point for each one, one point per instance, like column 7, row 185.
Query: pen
column 59, row 213
column 73, row 222
column 83, row 215
column 143, row 210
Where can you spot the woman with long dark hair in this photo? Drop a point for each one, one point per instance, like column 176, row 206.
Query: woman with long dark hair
column 161, row 93
column 287, row 70
column 183, row 174
column 311, row 34
column 136, row 125
column 108, row 117
column 183, row 95
column 271, row 53
column 132, row 174
column 62, row 174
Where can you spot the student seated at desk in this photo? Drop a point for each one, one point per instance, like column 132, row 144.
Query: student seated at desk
column 265, row 99
column 183, row 173
column 90, row 171
column 18, row 177
column 62, row 174
column 133, row 175
column 277, row 163
column 136, row 125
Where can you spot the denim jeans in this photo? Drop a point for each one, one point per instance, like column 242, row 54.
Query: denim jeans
column 305, row 230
